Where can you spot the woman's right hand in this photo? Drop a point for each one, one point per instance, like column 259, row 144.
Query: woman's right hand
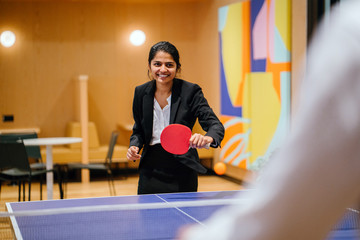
column 132, row 153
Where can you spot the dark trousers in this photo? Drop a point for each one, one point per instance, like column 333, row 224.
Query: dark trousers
column 162, row 173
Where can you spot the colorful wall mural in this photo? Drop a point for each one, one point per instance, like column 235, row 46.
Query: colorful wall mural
column 255, row 47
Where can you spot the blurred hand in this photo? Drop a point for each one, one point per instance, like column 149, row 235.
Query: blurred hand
column 200, row 141
column 132, row 153
column 181, row 234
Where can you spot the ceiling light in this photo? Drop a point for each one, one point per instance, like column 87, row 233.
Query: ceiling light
column 137, row 37
column 7, row 38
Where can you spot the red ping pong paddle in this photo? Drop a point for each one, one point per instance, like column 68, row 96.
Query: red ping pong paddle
column 175, row 139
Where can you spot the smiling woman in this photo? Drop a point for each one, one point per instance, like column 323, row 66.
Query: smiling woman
column 165, row 100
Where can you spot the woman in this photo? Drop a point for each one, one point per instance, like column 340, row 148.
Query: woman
column 162, row 101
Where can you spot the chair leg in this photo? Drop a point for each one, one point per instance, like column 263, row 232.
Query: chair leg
column 60, row 182
column 29, row 190
column 19, row 197
column 111, row 182
column 24, row 191
column 108, row 180
column 64, row 180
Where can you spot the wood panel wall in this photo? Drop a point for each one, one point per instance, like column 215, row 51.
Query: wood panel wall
column 57, row 41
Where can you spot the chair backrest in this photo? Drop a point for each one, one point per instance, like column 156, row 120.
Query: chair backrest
column 13, row 155
column 113, row 139
column 32, row 151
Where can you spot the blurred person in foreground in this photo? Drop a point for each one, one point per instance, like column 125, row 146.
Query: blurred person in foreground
column 315, row 175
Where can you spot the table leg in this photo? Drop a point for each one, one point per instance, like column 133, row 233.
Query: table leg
column 49, row 175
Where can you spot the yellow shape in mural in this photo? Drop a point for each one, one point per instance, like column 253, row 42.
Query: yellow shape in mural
column 232, row 51
column 262, row 106
column 283, row 21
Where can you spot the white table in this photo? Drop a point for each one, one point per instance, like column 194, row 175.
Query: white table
column 49, row 142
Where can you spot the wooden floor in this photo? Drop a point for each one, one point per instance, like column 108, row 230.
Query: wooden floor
column 99, row 189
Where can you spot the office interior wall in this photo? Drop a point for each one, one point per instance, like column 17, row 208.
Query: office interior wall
column 59, row 40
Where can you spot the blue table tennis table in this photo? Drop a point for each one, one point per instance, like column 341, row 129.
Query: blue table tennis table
column 133, row 224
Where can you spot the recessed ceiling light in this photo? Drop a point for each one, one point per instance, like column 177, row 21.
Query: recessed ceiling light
column 7, row 38
column 137, row 37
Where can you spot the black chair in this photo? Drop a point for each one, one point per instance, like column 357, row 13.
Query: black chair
column 33, row 152
column 106, row 166
column 15, row 166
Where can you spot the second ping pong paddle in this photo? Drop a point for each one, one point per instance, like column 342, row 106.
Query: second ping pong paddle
column 175, row 139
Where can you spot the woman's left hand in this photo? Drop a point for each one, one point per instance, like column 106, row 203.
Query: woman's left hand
column 200, row 141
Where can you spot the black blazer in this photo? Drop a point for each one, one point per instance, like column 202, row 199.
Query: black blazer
column 187, row 104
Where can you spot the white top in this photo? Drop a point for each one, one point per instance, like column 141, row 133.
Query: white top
column 51, row 141
column 161, row 120
column 315, row 176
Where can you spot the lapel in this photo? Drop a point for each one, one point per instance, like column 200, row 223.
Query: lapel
column 175, row 99
column 148, row 106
